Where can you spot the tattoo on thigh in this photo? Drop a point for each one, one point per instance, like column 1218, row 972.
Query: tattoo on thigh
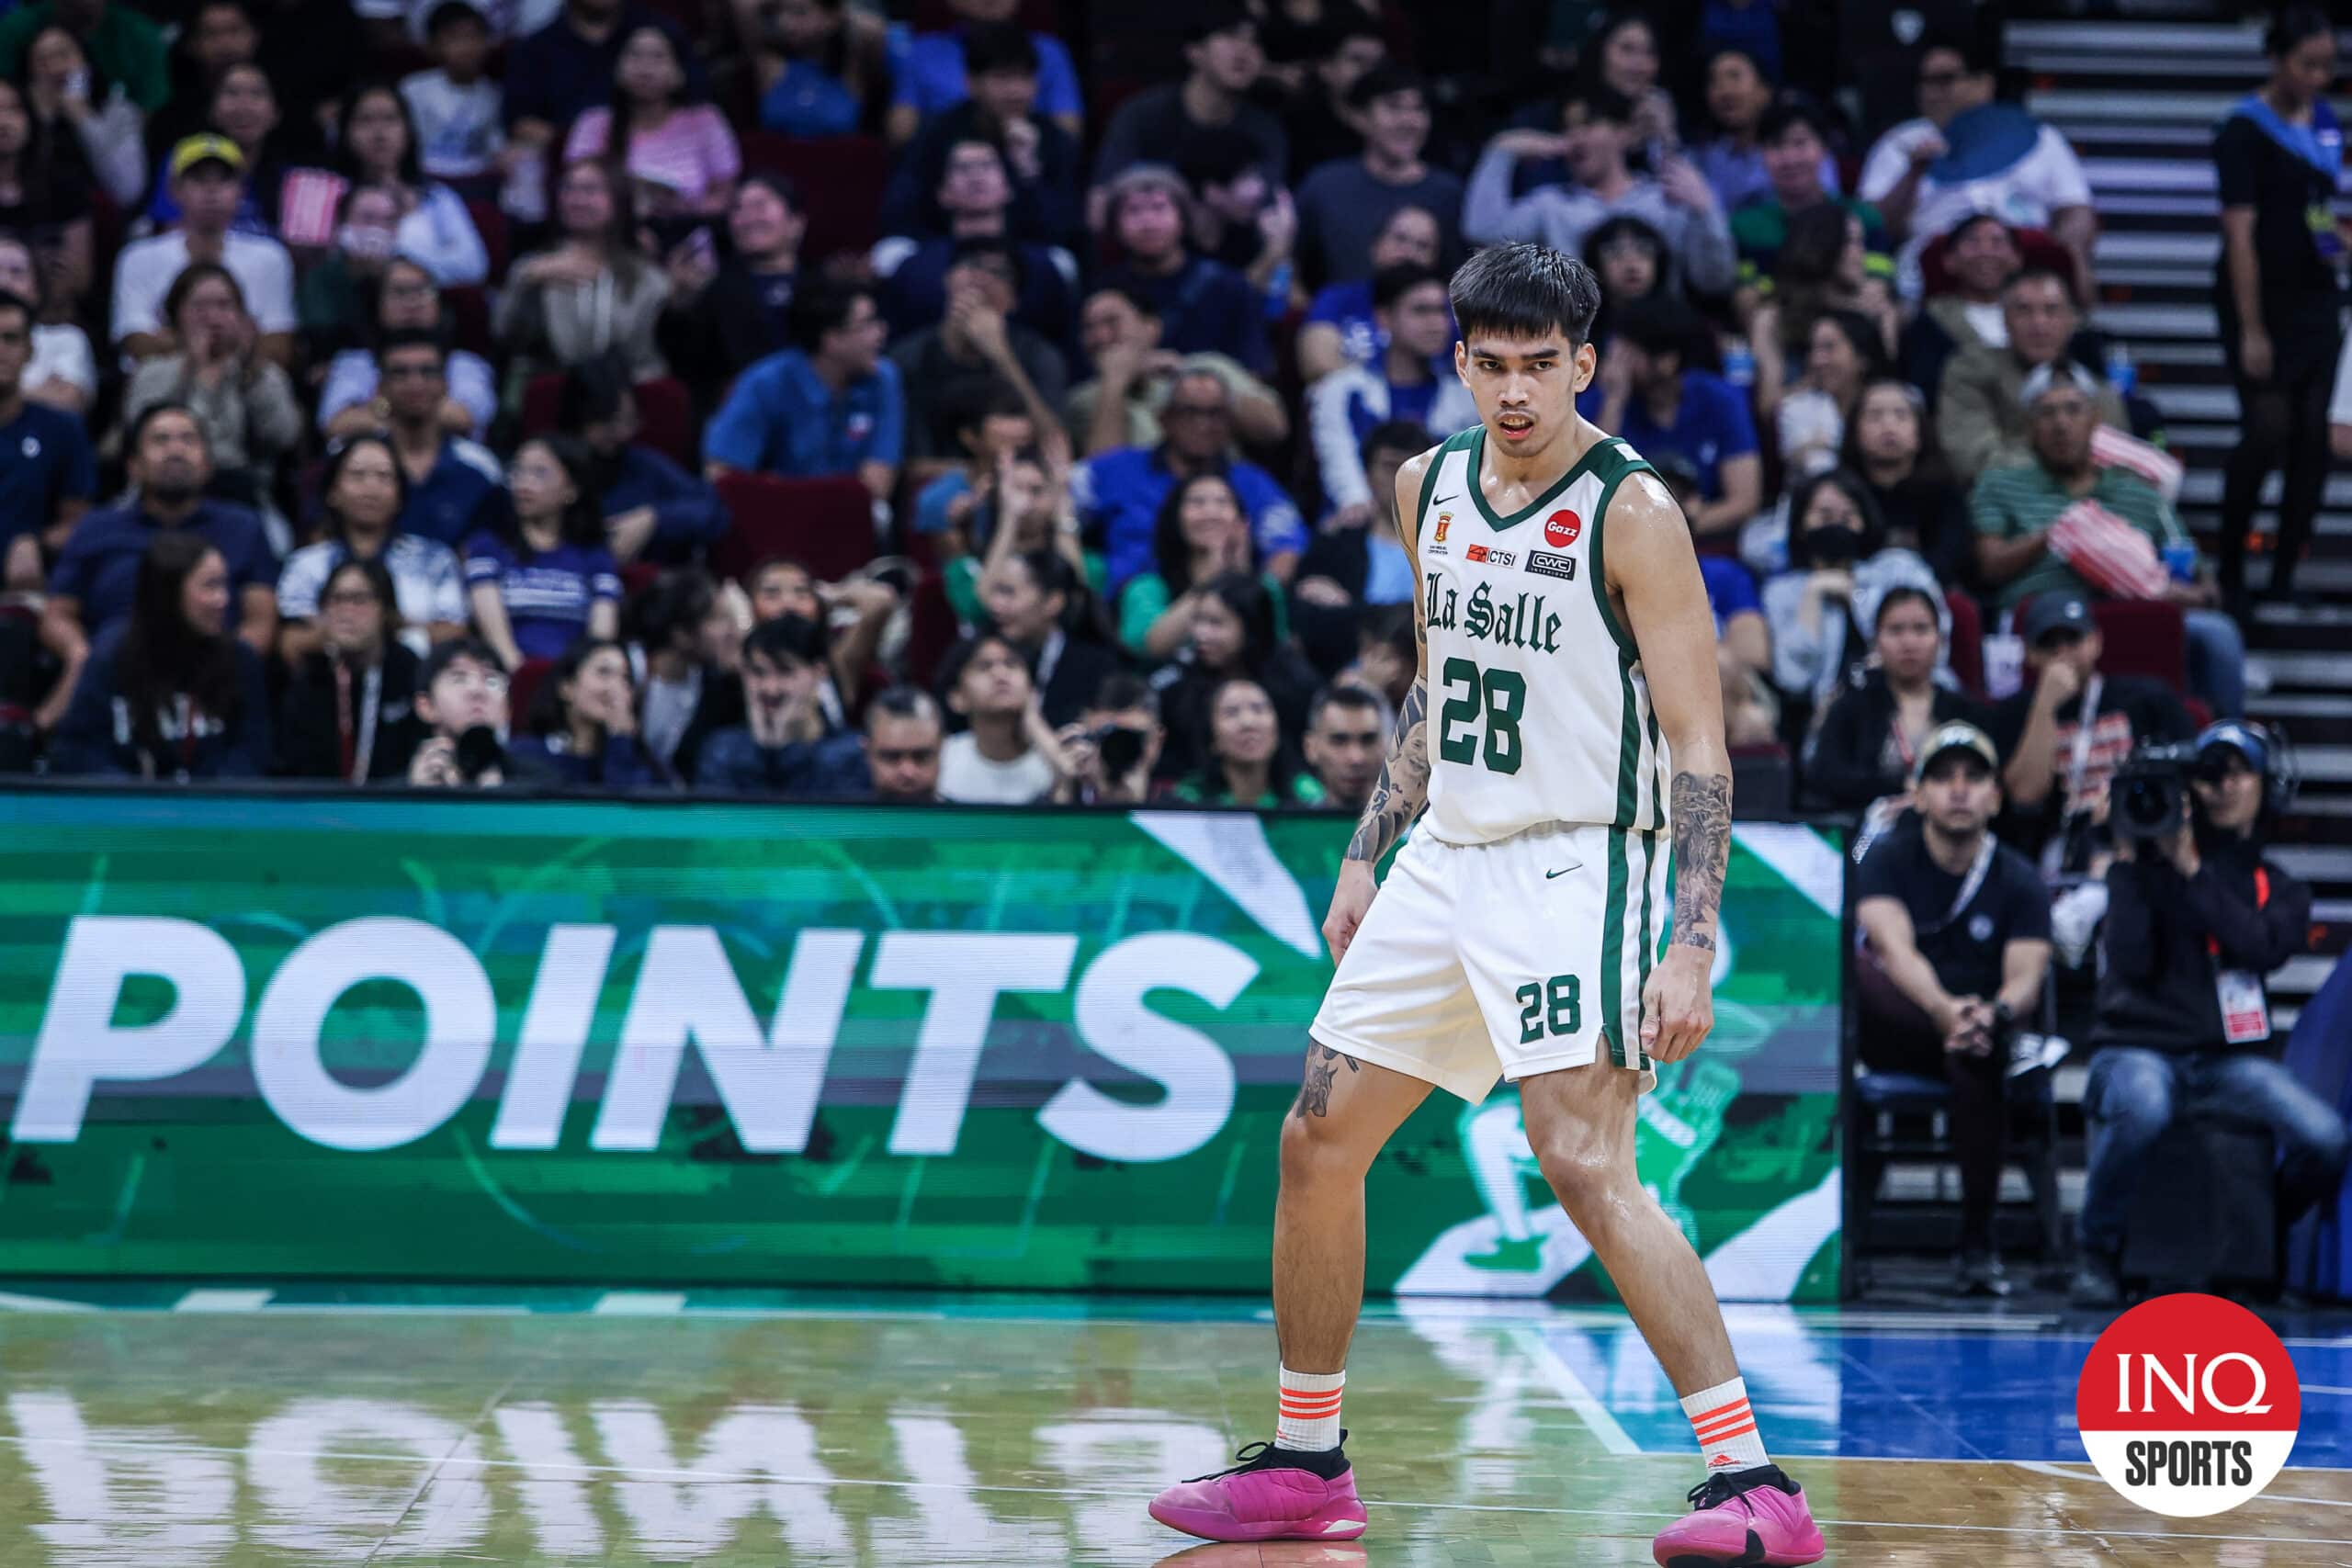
column 1315, row 1095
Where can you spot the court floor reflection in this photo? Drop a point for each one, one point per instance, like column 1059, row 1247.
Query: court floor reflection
column 991, row 1436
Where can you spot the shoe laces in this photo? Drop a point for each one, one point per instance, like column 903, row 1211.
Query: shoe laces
column 1718, row 1489
column 1253, row 1456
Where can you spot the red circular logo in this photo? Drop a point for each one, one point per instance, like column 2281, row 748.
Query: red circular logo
column 2188, row 1406
column 1560, row 529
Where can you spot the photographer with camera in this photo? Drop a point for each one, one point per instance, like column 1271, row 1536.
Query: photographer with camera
column 1955, row 947
column 461, row 702
column 1107, row 756
column 2196, row 916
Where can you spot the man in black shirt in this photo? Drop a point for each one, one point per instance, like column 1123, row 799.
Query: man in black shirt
column 2195, row 919
column 2056, row 776
column 1956, row 945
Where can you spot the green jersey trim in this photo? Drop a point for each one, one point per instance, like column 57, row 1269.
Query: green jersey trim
column 1626, row 645
column 1477, row 450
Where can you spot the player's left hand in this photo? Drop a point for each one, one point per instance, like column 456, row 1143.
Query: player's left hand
column 1678, row 1004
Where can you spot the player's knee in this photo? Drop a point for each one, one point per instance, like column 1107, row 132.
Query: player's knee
column 1318, row 1148
column 1582, row 1173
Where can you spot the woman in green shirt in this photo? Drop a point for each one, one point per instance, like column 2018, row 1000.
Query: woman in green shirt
column 1203, row 530
column 1250, row 763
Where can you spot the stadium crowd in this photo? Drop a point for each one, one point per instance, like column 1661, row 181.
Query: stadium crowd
column 782, row 398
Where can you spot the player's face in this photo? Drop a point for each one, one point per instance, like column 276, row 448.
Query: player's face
column 1526, row 387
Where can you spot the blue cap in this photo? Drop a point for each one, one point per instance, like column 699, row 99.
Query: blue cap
column 2246, row 740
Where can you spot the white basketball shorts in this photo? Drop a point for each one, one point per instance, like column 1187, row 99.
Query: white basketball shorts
column 1504, row 959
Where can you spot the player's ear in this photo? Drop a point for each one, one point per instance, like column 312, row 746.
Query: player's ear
column 1587, row 361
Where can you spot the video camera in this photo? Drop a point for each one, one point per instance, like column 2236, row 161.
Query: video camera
column 2150, row 792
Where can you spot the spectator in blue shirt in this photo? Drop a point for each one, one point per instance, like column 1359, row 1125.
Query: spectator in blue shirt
column 1339, row 330
column 1658, row 406
column 1120, row 493
column 582, row 724
column 95, row 581
column 787, row 744
column 1041, row 158
column 46, row 472
column 931, row 74
column 972, row 199
column 544, row 579
column 1404, row 383
column 830, row 404
column 653, row 508
column 169, row 694
column 453, row 485
column 1203, row 306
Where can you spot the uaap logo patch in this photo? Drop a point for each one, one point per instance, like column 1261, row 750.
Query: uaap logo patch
column 1442, row 519
column 1551, row 565
column 1560, row 529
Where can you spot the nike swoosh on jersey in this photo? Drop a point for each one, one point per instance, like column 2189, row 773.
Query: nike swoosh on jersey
column 1562, row 871
column 1442, row 500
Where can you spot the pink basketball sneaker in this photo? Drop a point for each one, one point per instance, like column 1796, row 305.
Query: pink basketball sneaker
column 1752, row 1518
column 1273, row 1494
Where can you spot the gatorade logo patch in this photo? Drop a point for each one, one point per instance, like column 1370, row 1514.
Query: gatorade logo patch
column 2188, row 1406
column 1561, row 529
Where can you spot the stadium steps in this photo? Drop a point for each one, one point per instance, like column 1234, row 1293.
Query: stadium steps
column 2139, row 101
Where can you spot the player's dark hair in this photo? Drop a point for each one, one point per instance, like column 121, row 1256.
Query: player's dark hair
column 1525, row 290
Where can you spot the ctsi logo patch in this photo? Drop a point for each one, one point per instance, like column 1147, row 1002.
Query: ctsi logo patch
column 1491, row 556
column 2188, row 1406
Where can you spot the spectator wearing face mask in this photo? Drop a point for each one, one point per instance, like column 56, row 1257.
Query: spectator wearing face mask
column 1346, row 745
column 904, row 733
column 1821, row 607
column 349, row 709
column 168, row 693
column 582, row 725
column 1006, row 755
column 787, row 745
column 1341, row 328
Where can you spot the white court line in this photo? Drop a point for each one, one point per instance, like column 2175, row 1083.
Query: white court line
column 537, row 1467
column 639, row 1303
column 2323, row 1388
column 1571, row 1388
column 2040, row 1467
column 223, row 1301
column 11, row 1302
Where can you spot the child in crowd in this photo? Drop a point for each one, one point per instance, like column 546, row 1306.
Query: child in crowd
column 454, row 105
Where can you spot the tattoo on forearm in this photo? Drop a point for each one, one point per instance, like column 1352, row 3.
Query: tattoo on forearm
column 1702, row 808
column 1404, row 786
column 1322, row 1067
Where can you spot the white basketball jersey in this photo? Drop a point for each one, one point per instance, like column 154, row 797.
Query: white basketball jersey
column 1538, row 710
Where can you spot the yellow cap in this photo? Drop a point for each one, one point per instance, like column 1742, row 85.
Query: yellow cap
column 205, row 148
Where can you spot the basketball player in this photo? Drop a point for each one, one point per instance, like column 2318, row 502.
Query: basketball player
column 1564, row 720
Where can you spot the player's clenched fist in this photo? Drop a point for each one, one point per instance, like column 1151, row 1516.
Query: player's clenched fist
column 1349, row 900
column 1678, row 1004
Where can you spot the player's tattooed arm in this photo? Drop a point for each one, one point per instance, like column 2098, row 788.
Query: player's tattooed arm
column 1702, row 811
column 1404, row 786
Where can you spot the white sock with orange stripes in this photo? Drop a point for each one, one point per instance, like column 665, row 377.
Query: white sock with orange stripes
column 1726, row 1427
column 1308, row 1417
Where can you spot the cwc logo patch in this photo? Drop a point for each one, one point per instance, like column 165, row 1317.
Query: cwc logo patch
column 1552, row 565
column 1442, row 519
column 1560, row 529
